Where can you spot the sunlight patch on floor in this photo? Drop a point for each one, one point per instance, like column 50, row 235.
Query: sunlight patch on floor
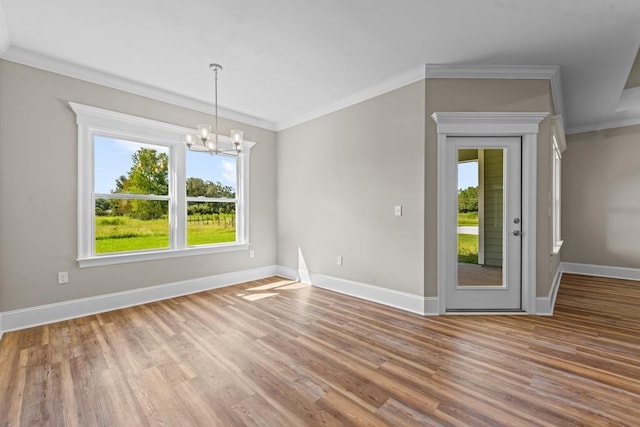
column 249, row 294
column 256, row 297
column 270, row 285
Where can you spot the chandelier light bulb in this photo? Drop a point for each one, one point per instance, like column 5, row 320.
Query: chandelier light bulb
column 204, row 131
column 236, row 136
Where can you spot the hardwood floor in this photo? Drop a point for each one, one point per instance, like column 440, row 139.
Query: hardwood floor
column 274, row 352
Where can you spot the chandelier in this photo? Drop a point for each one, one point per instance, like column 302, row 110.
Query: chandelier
column 205, row 140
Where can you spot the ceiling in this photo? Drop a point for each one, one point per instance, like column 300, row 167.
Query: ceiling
column 289, row 60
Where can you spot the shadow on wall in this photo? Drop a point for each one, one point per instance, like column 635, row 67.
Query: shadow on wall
column 303, row 271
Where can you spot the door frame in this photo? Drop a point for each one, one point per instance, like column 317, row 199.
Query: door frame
column 518, row 124
column 507, row 295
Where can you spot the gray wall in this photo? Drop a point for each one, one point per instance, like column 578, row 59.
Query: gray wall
column 38, row 173
column 601, row 198
column 339, row 177
column 474, row 95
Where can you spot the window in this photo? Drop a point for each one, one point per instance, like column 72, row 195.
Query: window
column 558, row 146
column 131, row 196
column 211, row 199
column 142, row 195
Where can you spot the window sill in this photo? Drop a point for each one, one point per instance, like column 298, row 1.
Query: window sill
column 555, row 250
column 101, row 260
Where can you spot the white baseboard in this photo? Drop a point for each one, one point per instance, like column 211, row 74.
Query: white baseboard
column 431, row 306
column 427, row 306
column 40, row 315
column 390, row 297
column 601, row 271
column 545, row 305
column 287, row 272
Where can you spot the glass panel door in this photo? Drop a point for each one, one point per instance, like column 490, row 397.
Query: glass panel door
column 480, row 211
column 484, row 185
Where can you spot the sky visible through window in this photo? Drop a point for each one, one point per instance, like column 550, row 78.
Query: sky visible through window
column 467, row 175
column 113, row 159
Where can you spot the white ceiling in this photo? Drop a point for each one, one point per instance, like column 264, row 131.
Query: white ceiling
column 287, row 60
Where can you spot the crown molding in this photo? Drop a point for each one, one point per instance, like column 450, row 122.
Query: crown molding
column 429, row 71
column 556, row 93
column 557, row 129
column 4, row 32
column 522, row 72
column 47, row 63
column 411, row 76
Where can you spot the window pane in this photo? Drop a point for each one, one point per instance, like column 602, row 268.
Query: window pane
column 210, row 176
column 131, row 225
column 480, row 217
column 130, row 167
column 468, row 206
column 210, row 222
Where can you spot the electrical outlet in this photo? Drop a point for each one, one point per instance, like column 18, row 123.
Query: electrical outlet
column 252, row 253
column 339, row 260
column 63, row 277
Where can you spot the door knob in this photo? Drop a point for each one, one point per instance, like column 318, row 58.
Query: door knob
column 517, row 233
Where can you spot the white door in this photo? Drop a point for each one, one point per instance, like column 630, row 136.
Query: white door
column 484, row 241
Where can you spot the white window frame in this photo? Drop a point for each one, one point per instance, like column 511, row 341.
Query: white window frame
column 93, row 121
column 558, row 145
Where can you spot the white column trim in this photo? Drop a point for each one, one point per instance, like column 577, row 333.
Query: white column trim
column 545, row 305
column 529, row 223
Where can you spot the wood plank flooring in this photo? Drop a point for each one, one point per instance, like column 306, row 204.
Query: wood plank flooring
column 278, row 353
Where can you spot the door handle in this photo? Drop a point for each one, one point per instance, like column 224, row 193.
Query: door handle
column 517, row 233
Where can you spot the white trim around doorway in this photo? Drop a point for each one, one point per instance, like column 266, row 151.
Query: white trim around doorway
column 519, row 124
